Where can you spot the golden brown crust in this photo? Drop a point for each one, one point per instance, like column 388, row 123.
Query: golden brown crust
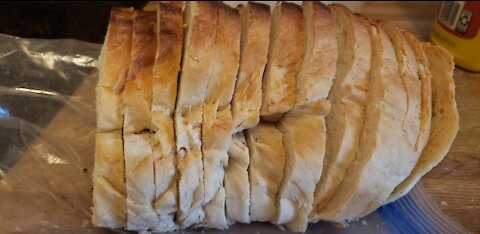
column 291, row 31
column 143, row 43
column 227, row 50
column 118, row 44
column 168, row 56
column 113, row 66
column 202, row 29
column 137, row 95
column 259, row 10
column 201, row 21
column 119, row 26
column 283, row 61
column 247, row 98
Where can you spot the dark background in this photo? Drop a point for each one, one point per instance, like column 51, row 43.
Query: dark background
column 85, row 20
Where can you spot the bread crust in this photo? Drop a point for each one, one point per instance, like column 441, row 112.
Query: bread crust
column 247, row 98
column 137, row 94
column 113, row 63
column 278, row 88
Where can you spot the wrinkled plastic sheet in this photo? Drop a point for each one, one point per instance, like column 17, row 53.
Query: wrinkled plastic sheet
column 47, row 126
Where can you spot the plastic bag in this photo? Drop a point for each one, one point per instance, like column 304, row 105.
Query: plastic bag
column 47, row 126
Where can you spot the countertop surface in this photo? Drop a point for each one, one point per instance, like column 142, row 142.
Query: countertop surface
column 454, row 185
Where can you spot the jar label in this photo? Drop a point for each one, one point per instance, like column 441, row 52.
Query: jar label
column 461, row 18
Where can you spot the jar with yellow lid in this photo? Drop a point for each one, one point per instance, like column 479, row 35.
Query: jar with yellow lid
column 457, row 29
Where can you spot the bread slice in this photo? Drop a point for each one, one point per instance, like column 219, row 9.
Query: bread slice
column 316, row 74
column 411, row 64
column 411, row 60
column 445, row 119
column 137, row 95
column 137, row 99
column 267, row 161
column 348, row 99
column 113, row 68
column 237, row 183
column 385, row 157
column 109, row 192
column 140, row 183
column 109, row 204
column 197, row 60
column 165, row 73
column 426, row 91
column 303, row 130
column 247, row 98
column 278, row 87
column 217, row 117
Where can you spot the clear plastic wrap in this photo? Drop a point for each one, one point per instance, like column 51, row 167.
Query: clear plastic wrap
column 47, row 126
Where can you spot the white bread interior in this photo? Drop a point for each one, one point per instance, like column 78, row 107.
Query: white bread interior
column 109, row 204
column 139, row 181
column 237, row 183
column 267, row 160
column 303, row 132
